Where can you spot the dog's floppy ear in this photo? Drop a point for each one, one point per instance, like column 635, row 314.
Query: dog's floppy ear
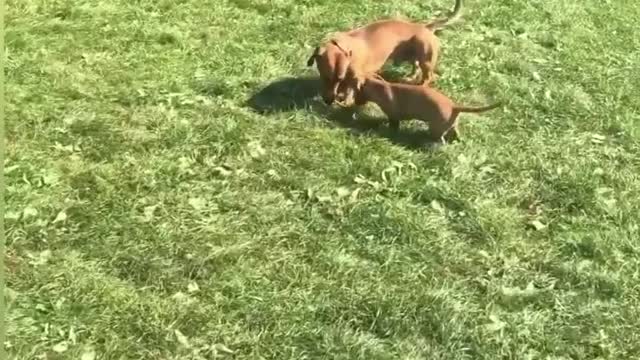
column 317, row 52
column 343, row 47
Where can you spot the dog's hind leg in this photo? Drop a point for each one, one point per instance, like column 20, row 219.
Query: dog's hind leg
column 427, row 56
column 427, row 66
column 415, row 73
column 452, row 135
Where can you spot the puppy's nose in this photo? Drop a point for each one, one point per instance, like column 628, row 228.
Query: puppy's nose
column 328, row 101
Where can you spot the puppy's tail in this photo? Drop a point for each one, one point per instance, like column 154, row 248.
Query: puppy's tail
column 440, row 24
column 470, row 109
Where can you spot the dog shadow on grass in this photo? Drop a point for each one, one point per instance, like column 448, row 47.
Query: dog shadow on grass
column 283, row 95
column 290, row 94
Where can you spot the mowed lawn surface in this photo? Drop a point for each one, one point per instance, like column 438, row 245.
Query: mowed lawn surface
column 170, row 196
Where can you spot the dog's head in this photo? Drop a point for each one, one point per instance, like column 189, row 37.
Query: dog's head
column 333, row 61
column 350, row 90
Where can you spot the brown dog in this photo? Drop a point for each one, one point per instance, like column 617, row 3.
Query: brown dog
column 365, row 50
column 405, row 102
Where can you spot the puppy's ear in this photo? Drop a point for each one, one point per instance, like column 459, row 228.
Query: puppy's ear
column 312, row 58
column 317, row 52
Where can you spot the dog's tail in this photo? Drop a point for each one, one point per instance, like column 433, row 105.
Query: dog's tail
column 479, row 109
column 440, row 24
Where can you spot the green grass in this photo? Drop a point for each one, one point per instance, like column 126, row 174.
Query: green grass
column 170, row 196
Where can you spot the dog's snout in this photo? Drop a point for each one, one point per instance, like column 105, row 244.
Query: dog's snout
column 328, row 101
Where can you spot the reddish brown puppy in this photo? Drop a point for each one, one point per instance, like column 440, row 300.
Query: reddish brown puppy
column 365, row 50
column 404, row 102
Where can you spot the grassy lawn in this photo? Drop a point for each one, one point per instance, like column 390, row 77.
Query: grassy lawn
column 176, row 190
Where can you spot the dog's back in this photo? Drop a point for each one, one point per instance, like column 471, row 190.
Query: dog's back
column 405, row 101
column 390, row 39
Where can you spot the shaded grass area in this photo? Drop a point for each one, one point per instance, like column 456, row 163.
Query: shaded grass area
column 175, row 189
